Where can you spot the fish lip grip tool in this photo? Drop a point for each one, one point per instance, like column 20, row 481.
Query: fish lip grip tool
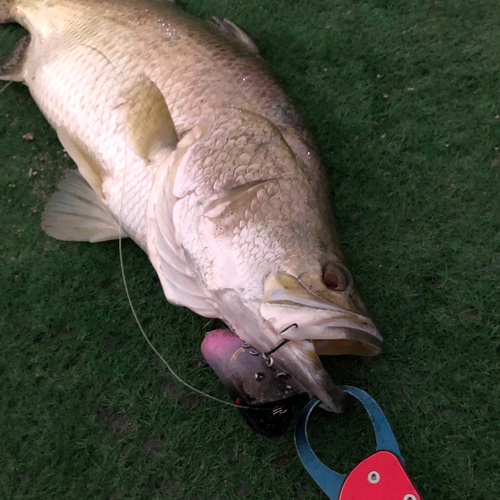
column 381, row 476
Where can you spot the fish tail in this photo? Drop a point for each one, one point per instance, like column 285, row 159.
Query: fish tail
column 6, row 11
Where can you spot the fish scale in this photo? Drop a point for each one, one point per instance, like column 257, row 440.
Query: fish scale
column 103, row 136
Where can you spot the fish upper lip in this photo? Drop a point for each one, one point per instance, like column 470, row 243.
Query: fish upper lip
column 354, row 322
column 360, row 336
column 346, row 323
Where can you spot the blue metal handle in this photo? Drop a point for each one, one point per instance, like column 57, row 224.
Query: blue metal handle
column 328, row 480
column 383, row 432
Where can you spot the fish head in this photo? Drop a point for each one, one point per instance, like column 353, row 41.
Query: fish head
column 257, row 234
column 307, row 309
column 319, row 302
column 310, row 300
column 317, row 308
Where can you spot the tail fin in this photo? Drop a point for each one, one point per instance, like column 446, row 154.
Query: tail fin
column 6, row 13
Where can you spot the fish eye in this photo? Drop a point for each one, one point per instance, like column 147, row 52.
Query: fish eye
column 336, row 277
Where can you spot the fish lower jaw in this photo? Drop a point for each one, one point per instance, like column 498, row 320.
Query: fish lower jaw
column 300, row 358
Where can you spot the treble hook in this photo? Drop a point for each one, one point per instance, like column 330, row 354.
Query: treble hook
column 281, row 343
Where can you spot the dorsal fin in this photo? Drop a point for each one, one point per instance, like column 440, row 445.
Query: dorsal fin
column 236, row 33
column 76, row 213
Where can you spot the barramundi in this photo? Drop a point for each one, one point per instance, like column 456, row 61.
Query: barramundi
column 185, row 143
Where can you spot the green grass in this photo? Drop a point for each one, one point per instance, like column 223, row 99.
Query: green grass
column 402, row 98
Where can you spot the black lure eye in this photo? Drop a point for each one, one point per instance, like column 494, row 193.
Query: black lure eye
column 336, row 277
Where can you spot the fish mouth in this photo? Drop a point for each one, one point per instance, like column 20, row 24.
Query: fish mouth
column 349, row 341
column 315, row 326
column 333, row 329
column 342, row 334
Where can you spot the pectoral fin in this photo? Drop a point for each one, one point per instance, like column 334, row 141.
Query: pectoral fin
column 76, row 213
column 149, row 126
column 12, row 66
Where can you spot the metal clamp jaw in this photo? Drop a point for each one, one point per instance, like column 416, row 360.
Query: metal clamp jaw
column 381, row 476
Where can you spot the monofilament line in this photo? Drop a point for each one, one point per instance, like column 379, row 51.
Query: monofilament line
column 122, row 267
column 4, row 88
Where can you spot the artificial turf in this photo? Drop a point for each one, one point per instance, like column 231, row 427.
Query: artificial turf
column 402, row 98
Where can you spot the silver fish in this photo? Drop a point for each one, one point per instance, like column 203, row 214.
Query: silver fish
column 183, row 139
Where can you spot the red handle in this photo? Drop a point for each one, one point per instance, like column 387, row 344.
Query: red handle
column 379, row 477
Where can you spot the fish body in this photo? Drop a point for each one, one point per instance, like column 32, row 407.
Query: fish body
column 185, row 143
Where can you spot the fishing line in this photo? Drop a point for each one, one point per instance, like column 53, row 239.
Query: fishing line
column 124, row 279
column 122, row 267
column 5, row 86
